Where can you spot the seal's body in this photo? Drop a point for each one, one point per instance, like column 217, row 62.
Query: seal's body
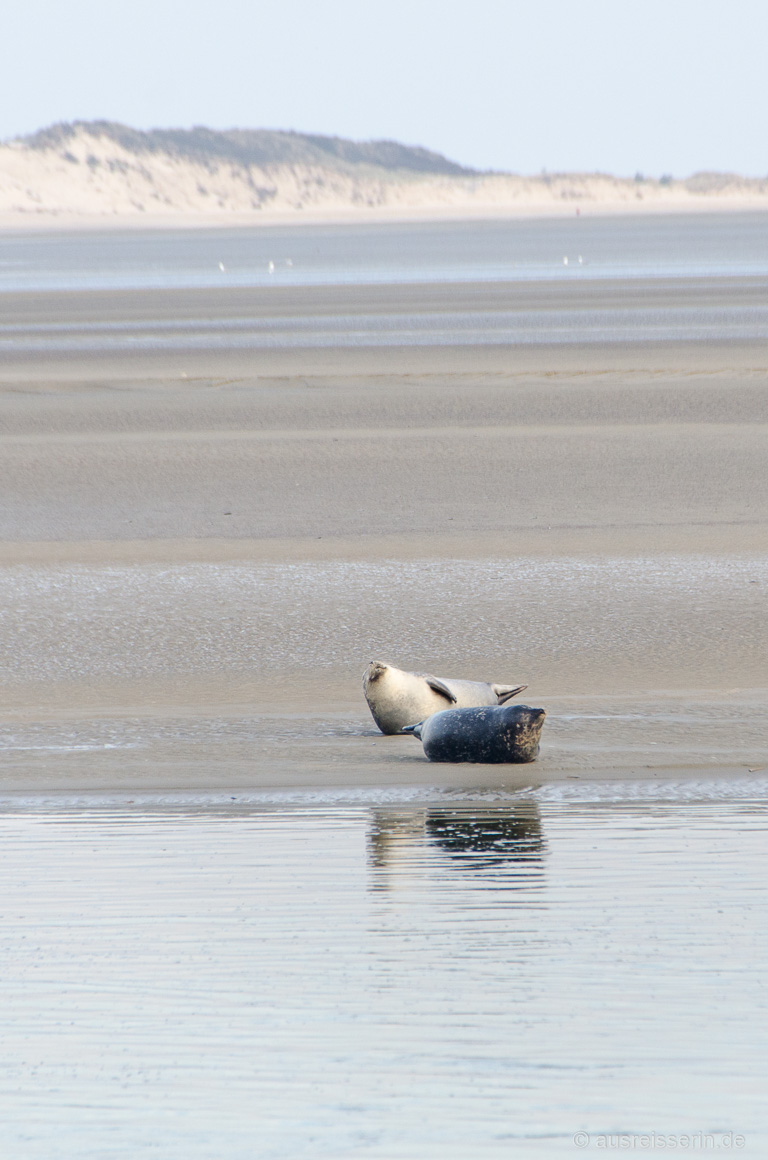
column 397, row 698
column 489, row 735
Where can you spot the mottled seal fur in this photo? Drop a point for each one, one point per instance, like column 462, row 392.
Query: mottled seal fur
column 398, row 698
column 489, row 735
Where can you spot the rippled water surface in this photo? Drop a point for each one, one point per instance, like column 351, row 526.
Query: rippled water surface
column 202, row 977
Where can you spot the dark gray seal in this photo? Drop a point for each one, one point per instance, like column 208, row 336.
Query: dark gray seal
column 487, row 735
column 397, row 697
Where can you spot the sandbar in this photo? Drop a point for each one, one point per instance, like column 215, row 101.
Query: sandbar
column 201, row 550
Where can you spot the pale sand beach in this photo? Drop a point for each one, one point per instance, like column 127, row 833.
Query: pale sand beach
column 203, row 548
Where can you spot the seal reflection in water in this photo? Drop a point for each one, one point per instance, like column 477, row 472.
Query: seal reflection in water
column 398, row 698
column 488, row 735
column 506, row 841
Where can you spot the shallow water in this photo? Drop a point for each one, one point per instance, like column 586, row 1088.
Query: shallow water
column 719, row 259
column 199, row 977
column 657, row 246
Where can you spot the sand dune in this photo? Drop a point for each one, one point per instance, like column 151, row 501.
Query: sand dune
column 86, row 175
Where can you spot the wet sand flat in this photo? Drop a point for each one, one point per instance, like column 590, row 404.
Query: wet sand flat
column 247, row 674
column 225, row 552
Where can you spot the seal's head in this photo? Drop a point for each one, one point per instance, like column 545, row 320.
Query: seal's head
column 528, row 724
column 375, row 670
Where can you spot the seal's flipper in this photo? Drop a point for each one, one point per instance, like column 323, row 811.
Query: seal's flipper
column 440, row 687
column 414, row 729
column 506, row 692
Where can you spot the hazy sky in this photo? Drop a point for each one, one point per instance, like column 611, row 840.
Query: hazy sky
column 659, row 86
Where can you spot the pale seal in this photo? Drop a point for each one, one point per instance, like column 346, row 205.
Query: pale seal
column 487, row 735
column 397, row 698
